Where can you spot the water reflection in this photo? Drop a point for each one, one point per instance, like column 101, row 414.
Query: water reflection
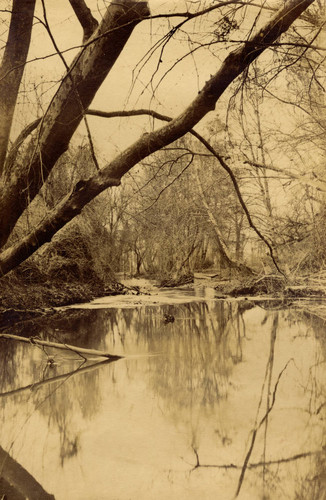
column 227, row 400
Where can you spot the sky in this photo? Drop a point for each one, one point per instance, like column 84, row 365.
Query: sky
column 128, row 86
column 119, row 91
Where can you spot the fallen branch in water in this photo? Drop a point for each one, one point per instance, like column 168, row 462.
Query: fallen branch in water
column 45, row 343
column 255, row 465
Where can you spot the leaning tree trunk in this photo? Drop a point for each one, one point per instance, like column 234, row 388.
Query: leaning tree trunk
column 50, row 129
column 12, row 67
column 20, row 182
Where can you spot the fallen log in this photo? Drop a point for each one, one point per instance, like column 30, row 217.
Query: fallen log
column 45, row 343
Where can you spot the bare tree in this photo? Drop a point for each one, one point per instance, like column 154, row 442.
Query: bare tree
column 22, row 180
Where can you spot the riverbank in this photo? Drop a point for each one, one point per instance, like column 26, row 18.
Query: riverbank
column 312, row 285
column 23, row 299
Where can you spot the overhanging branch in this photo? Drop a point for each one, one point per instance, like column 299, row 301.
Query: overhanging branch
column 212, row 150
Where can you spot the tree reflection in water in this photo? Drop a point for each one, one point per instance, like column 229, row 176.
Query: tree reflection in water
column 244, row 387
column 63, row 405
column 314, row 484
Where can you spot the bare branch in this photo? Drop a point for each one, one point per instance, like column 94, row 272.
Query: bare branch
column 84, row 15
column 317, row 183
column 254, row 433
column 212, row 150
column 255, row 465
column 57, row 378
column 193, row 15
column 57, row 345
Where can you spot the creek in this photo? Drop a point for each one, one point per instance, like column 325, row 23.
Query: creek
column 213, row 399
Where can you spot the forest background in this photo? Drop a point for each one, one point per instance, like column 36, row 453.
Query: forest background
column 159, row 139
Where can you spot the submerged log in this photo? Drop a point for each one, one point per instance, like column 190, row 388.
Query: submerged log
column 45, row 343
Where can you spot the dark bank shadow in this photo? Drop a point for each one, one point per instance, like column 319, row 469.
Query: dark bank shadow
column 18, row 484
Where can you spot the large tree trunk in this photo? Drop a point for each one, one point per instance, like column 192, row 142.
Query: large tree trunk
column 85, row 191
column 12, row 67
column 21, row 181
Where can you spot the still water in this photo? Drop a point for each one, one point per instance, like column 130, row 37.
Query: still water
column 228, row 401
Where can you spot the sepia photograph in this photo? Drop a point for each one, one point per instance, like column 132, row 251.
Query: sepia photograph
column 162, row 250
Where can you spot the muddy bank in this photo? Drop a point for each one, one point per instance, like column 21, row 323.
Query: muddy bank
column 20, row 299
column 277, row 286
